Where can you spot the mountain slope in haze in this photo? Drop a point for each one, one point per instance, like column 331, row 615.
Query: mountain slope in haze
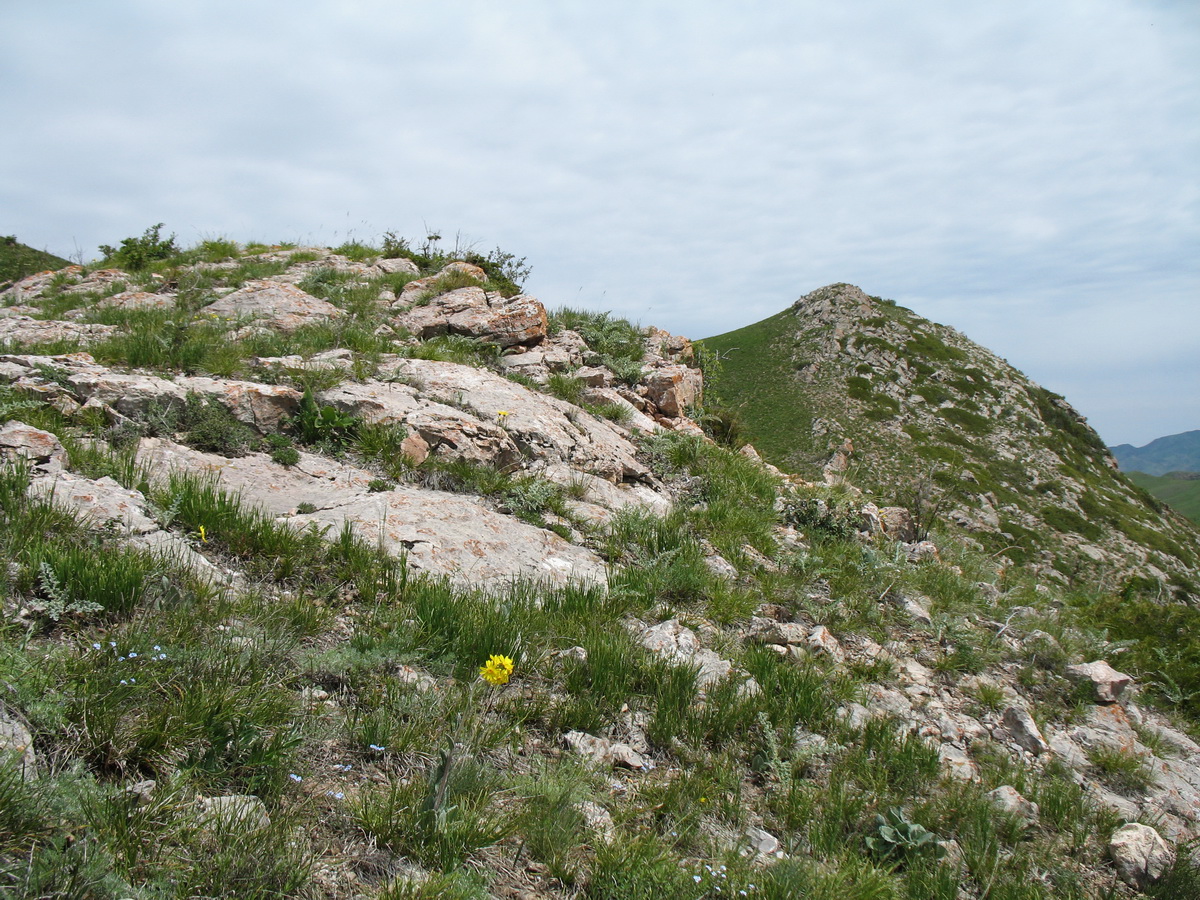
column 944, row 426
column 18, row 260
column 1174, row 453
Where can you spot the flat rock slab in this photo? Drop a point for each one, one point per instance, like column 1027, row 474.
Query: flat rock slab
column 26, row 330
column 280, row 306
column 440, row 533
column 544, row 427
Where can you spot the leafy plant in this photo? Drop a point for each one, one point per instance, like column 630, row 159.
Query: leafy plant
column 896, row 838
column 322, row 424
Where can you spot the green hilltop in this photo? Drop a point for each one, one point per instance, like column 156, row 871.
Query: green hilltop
column 942, row 425
column 17, row 260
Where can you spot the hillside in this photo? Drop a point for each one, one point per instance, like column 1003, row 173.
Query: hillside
column 18, row 260
column 941, row 425
column 1180, row 489
column 1174, row 453
column 357, row 573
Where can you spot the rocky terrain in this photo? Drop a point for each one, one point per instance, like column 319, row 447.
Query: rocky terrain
column 916, row 411
column 271, row 512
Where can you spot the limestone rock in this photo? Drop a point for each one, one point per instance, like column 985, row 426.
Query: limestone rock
column 598, row 819
column 957, row 763
column 821, row 640
column 130, row 395
column 606, row 752
column 1024, row 730
column 16, row 745
column 283, row 307
column 1140, row 854
column 761, row 844
column 1008, row 799
column 673, row 388
column 263, row 406
column 26, row 330
column 1107, row 683
column 396, row 266
column 138, row 300
column 19, row 439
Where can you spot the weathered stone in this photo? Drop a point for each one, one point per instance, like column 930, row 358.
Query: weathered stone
column 263, row 406
column 1008, row 799
column 664, row 345
column 16, row 746
column 544, row 428
column 138, row 300
column 101, row 502
column 604, row 752
column 821, row 640
column 397, row 266
column 957, row 763
column 1140, row 855
column 437, row 532
column 283, row 307
column 26, row 330
column 761, row 844
column 1107, row 683
column 19, row 439
column 31, row 286
column 673, row 388
column 897, row 523
column 130, row 395
column 598, row 820
column 768, row 631
column 1024, row 730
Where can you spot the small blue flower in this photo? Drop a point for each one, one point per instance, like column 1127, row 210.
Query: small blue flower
column 377, row 748
column 132, row 655
column 123, row 681
column 296, row 778
column 95, row 646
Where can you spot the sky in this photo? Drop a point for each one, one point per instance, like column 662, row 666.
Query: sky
column 1026, row 172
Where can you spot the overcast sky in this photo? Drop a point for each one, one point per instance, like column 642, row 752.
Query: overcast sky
column 1026, row 171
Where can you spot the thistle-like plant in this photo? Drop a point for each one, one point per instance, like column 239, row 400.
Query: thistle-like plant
column 897, row 838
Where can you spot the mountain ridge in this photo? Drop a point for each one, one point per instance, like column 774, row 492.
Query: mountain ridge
column 1172, row 453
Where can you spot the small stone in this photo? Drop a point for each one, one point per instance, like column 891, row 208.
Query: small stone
column 598, row 819
column 1007, row 798
column 1140, row 854
column 606, row 752
column 822, row 640
column 762, row 844
column 16, row 746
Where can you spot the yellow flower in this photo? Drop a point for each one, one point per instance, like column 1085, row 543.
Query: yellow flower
column 203, row 536
column 497, row 670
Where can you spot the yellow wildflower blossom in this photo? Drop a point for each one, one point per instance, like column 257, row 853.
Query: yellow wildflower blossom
column 497, row 670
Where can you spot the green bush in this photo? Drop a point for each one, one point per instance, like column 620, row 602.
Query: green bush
column 136, row 254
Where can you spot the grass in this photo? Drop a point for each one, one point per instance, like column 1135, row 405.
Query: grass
column 17, row 260
column 343, row 689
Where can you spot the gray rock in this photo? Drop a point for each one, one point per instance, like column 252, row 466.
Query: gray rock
column 1107, row 683
column 25, row 330
column 1008, row 799
column 762, row 845
column 1140, row 855
column 19, row 439
column 283, row 307
column 16, row 746
column 1024, row 730
column 605, row 752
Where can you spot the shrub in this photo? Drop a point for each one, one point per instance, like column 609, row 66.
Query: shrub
column 136, row 254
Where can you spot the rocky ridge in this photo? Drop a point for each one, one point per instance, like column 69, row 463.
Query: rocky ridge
column 499, row 416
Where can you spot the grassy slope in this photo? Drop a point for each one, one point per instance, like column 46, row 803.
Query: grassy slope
column 776, row 420
column 17, row 260
column 1182, row 494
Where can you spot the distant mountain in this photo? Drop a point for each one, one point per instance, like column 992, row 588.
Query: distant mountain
column 915, row 412
column 1174, row 453
column 18, row 260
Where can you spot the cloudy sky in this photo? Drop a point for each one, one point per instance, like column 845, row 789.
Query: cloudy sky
column 1028, row 172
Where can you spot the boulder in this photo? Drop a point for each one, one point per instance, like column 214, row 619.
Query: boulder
column 16, row 746
column 262, row 406
column 138, row 300
column 283, row 307
column 673, row 388
column 504, row 321
column 1140, row 855
column 26, row 330
column 40, row 447
column 397, row 266
column 1107, row 683
column 130, row 395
